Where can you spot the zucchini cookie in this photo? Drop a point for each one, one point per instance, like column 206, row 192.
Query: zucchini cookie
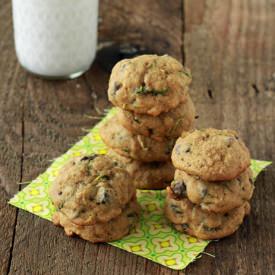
column 152, row 175
column 212, row 155
column 193, row 220
column 167, row 125
column 218, row 197
column 91, row 192
column 134, row 146
column 148, row 84
column 114, row 229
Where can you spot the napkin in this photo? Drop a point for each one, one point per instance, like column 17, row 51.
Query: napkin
column 153, row 237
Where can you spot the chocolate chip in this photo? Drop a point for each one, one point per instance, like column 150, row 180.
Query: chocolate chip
column 203, row 192
column 117, row 86
column 229, row 141
column 205, row 137
column 102, row 196
column 210, row 229
column 124, row 66
column 151, row 131
column 136, row 120
column 91, row 157
column 178, row 188
column 60, row 193
column 185, row 226
column 155, row 164
column 60, row 206
column 175, row 209
column 187, row 150
column 132, row 215
column 126, row 150
column 103, row 177
column 169, row 147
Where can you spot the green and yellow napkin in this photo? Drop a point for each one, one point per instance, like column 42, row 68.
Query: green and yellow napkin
column 153, row 238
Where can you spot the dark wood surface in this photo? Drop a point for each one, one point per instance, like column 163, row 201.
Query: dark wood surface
column 230, row 48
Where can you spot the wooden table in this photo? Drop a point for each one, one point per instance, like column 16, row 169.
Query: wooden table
column 230, row 47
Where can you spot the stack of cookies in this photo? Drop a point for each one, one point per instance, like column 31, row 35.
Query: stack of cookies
column 94, row 199
column 210, row 194
column 154, row 108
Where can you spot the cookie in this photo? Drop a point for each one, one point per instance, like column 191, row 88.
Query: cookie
column 148, row 84
column 90, row 190
column 167, row 125
column 112, row 230
column 211, row 154
column 151, row 175
column 191, row 219
column 133, row 146
column 218, row 197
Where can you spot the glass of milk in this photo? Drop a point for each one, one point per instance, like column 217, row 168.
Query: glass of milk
column 55, row 38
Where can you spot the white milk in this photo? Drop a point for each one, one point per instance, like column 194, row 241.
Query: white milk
column 55, row 38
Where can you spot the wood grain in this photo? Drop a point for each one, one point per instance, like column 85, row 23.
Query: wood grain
column 11, row 139
column 230, row 51
column 156, row 25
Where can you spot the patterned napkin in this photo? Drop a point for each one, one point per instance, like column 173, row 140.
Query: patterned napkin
column 153, row 238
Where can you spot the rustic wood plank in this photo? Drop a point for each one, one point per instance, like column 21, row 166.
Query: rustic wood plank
column 54, row 113
column 232, row 60
column 11, row 138
column 230, row 50
column 156, row 25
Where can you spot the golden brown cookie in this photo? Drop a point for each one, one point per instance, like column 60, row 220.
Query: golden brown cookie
column 114, row 229
column 134, row 146
column 91, row 190
column 191, row 219
column 151, row 175
column 218, row 197
column 167, row 125
column 148, row 84
column 211, row 154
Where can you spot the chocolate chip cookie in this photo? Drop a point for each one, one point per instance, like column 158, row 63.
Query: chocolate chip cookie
column 114, row 229
column 218, row 197
column 193, row 220
column 91, row 190
column 152, row 175
column 134, row 146
column 148, row 84
column 167, row 125
column 211, row 154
